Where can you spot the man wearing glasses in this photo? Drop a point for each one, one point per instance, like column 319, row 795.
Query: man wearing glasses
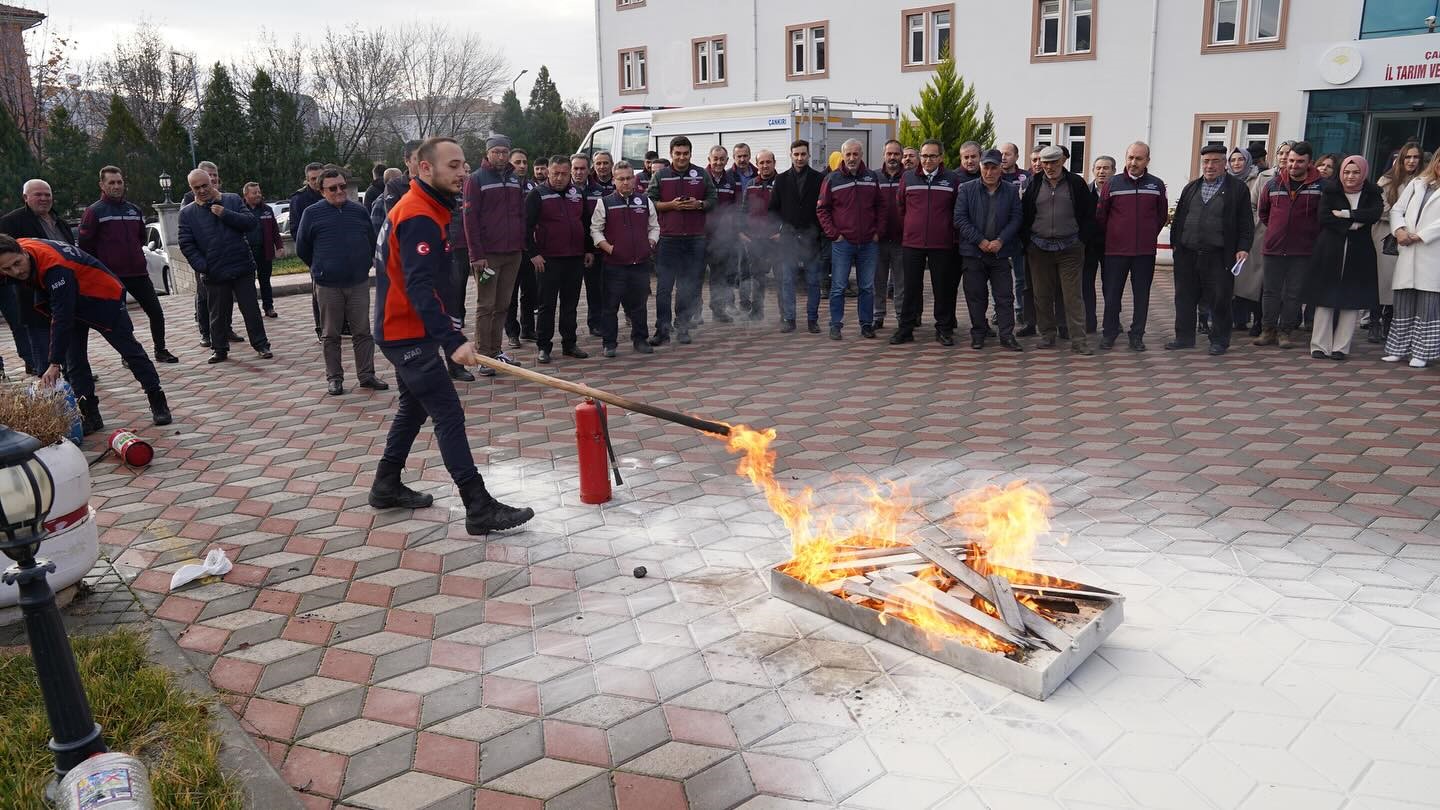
column 337, row 241
column 212, row 238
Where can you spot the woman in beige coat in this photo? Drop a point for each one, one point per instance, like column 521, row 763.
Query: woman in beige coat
column 1415, row 332
column 1401, row 172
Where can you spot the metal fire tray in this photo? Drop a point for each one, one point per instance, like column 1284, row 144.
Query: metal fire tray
column 1033, row 673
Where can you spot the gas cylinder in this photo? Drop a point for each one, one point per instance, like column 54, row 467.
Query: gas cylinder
column 590, row 452
column 131, row 449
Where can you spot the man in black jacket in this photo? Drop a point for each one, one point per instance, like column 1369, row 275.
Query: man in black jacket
column 792, row 204
column 212, row 238
column 33, row 220
column 1211, row 233
column 377, row 185
column 1057, row 216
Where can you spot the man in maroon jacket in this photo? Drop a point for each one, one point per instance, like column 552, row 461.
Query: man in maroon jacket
column 113, row 231
column 1290, row 209
column 926, row 203
column 624, row 229
column 759, row 237
column 851, row 213
column 495, row 233
column 889, row 269
column 265, row 243
column 1132, row 211
column 683, row 195
column 555, row 235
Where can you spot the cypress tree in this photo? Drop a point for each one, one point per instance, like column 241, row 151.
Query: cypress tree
column 221, row 136
column 125, row 145
column 510, row 122
column 172, row 148
column 17, row 162
column 949, row 113
column 546, row 126
column 69, row 163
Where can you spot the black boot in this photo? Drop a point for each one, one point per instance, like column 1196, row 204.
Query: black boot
column 90, row 420
column 159, row 408
column 485, row 514
column 389, row 493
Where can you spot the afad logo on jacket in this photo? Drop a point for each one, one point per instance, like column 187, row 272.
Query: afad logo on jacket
column 693, row 173
column 640, row 204
column 573, row 194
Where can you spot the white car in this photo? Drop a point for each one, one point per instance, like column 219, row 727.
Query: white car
column 156, row 260
column 282, row 215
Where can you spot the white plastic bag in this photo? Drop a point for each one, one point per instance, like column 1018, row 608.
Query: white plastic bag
column 215, row 565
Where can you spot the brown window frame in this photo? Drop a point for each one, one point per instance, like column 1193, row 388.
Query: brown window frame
column 1059, row 122
column 1242, row 43
column 695, row 83
column 620, row 71
column 1063, row 55
column 790, row 74
column 1233, row 119
column 931, row 58
column 621, row 5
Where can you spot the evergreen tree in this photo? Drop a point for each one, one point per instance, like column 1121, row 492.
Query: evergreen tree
column 222, row 136
column 546, row 126
column 17, row 162
column 172, row 153
column 262, row 163
column 324, row 148
column 509, row 121
column 474, row 148
column 69, row 164
column 125, row 145
column 949, row 113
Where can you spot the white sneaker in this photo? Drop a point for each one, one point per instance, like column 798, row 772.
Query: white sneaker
column 505, row 358
column 1417, row 363
column 1390, row 358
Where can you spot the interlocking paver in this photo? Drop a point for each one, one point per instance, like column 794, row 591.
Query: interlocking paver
column 1271, row 520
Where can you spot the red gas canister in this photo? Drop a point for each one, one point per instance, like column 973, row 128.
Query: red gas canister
column 131, row 449
column 590, row 447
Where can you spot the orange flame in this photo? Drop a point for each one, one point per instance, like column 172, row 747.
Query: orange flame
column 1003, row 524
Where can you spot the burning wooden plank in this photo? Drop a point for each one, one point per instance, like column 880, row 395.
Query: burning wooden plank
column 910, row 591
column 1010, row 610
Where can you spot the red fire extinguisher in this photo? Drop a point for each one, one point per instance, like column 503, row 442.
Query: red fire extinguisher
column 592, row 439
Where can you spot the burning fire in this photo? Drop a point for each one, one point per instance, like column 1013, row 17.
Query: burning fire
column 1002, row 524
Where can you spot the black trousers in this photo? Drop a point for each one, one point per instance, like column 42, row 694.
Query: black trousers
column 119, row 332
column 944, row 285
column 1094, row 257
column 1203, row 278
column 459, row 285
column 1140, row 271
column 142, row 289
column 223, row 297
column 202, row 310
column 594, row 276
column 626, row 286
column 263, row 268
column 984, row 276
column 757, row 262
column 559, row 288
column 427, row 392
column 520, row 319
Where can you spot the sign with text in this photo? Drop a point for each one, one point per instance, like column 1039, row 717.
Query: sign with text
column 1388, row 62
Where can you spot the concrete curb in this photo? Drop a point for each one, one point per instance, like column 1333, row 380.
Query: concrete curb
column 239, row 755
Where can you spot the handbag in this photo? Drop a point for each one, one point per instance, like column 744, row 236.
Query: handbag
column 1390, row 246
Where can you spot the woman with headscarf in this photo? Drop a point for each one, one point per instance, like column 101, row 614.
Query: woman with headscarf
column 1415, row 331
column 1246, row 302
column 1404, row 168
column 1342, row 282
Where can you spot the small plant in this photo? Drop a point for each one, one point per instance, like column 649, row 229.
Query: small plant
column 44, row 413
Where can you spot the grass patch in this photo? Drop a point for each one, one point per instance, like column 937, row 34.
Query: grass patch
column 288, row 266
column 142, row 710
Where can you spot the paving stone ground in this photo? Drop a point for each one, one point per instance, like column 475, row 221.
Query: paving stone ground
column 1271, row 520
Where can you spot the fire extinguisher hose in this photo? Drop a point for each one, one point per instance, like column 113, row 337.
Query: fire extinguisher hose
column 605, row 431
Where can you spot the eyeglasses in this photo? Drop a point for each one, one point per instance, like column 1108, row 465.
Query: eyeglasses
column 340, row 187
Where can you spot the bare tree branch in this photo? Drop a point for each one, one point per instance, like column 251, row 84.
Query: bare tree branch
column 151, row 77
column 357, row 75
column 446, row 82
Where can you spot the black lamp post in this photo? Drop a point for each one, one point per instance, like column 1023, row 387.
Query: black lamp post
column 27, row 491
column 165, row 186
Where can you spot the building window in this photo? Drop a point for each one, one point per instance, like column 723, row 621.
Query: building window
column 1063, row 30
column 1072, row 133
column 632, row 71
column 621, row 5
column 1232, row 130
column 708, row 62
column 1397, row 18
column 806, row 54
column 1244, row 25
column 925, row 36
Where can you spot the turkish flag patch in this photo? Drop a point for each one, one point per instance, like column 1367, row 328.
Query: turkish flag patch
column 423, row 248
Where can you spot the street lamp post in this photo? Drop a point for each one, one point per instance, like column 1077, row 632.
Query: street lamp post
column 522, row 72
column 27, row 491
column 195, row 77
column 165, row 187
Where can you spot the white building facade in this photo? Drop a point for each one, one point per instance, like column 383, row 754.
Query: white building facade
column 1352, row 76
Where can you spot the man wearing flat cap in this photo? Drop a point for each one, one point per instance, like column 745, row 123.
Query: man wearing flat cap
column 494, row 217
column 987, row 223
column 1211, row 234
column 1057, row 215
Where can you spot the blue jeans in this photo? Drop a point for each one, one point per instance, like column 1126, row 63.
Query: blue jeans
column 843, row 254
column 788, row 278
column 679, row 268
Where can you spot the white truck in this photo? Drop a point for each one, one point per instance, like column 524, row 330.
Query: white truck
column 629, row 132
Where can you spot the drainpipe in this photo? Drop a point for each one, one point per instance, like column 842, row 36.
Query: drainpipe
column 754, row 60
column 1150, row 93
column 599, row 60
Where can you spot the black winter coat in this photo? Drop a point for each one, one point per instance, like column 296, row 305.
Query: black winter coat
column 1238, row 221
column 1343, row 272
